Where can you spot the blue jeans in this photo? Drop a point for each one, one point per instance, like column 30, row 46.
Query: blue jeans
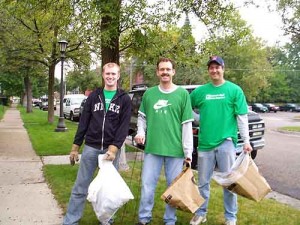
column 223, row 156
column 87, row 167
column 150, row 175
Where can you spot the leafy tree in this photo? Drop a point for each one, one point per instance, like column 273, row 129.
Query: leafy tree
column 83, row 79
column 30, row 31
column 246, row 59
column 290, row 14
column 285, row 83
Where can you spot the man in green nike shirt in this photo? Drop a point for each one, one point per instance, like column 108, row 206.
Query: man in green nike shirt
column 166, row 114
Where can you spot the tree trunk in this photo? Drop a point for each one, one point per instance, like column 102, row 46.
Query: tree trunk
column 110, row 30
column 28, row 91
column 51, row 93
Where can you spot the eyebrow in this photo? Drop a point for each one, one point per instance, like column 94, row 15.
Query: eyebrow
column 110, row 73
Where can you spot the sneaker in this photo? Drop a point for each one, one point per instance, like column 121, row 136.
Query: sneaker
column 197, row 220
column 140, row 223
column 230, row 222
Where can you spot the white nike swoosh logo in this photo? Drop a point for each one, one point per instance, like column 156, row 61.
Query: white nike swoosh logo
column 158, row 106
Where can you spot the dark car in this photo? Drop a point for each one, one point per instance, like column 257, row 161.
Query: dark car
column 81, row 107
column 258, row 107
column 44, row 104
column 291, row 107
column 256, row 125
column 36, row 102
column 271, row 107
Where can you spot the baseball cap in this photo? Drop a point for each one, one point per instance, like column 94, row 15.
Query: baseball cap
column 216, row 59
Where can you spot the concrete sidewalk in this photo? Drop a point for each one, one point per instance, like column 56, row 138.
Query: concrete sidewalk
column 25, row 197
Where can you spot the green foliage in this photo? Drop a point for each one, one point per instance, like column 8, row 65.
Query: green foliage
column 11, row 83
column 29, row 34
column 2, row 111
column 171, row 42
column 84, row 79
column 284, row 84
column 290, row 14
column 246, row 59
column 29, row 31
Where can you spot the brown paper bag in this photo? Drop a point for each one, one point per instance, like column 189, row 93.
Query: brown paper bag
column 251, row 185
column 183, row 193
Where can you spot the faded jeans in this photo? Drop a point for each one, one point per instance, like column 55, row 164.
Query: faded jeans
column 150, row 175
column 87, row 167
column 223, row 156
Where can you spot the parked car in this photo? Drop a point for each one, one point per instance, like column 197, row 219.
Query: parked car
column 256, row 125
column 44, row 104
column 271, row 107
column 36, row 102
column 290, row 107
column 71, row 105
column 258, row 107
column 81, row 107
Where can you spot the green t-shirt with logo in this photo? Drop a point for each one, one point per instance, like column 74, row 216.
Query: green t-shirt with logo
column 165, row 113
column 218, row 107
column 108, row 97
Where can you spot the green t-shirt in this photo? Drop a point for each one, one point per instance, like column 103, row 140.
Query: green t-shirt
column 218, row 107
column 165, row 113
column 108, row 97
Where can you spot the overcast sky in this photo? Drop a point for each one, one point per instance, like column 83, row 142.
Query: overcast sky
column 266, row 25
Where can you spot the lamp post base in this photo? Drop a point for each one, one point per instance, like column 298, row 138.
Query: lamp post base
column 61, row 127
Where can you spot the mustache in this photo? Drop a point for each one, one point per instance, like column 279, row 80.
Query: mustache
column 165, row 75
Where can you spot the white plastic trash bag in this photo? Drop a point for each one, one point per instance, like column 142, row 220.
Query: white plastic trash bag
column 238, row 169
column 108, row 191
column 244, row 179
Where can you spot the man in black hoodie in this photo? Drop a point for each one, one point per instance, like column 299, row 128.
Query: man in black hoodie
column 103, row 125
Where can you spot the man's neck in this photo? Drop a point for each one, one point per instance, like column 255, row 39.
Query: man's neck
column 110, row 88
column 166, row 86
column 218, row 82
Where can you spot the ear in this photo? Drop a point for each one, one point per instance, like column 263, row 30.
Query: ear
column 157, row 74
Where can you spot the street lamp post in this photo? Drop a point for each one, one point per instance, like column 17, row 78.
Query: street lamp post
column 61, row 127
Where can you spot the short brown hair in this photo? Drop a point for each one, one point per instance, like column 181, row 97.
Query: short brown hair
column 110, row 64
column 165, row 60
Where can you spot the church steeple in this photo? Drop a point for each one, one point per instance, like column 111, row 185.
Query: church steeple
column 186, row 36
column 187, row 22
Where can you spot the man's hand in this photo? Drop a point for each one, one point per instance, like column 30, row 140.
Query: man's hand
column 247, row 148
column 139, row 139
column 111, row 153
column 188, row 162
column 74, row 154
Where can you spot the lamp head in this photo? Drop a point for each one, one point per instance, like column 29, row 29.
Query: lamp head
column 63, row 46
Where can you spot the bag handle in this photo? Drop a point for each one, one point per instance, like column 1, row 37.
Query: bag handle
column 187, row 164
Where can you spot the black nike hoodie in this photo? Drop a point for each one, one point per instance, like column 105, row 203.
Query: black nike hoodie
column 101, row 128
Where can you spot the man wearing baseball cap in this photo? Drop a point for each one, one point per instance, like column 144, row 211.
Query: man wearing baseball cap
column 223, row 109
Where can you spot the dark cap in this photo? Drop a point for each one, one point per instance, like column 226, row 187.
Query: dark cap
column 216, row 59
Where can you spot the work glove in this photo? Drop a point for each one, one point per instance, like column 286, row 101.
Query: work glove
column 111, row 152
column 74, row 154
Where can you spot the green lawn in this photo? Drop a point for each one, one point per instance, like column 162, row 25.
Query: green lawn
column 61, row 179
column 292, row 129
column 266, row 212
column 45, row 140
column 2, row 111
